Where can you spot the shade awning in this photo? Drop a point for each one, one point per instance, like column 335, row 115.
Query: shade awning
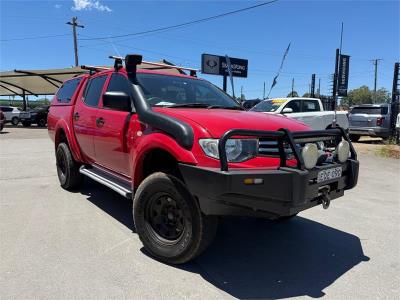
column 47, row 82
column 35, row 82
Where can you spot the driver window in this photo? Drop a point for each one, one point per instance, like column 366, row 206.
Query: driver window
column 119, row 83
column 294, row 105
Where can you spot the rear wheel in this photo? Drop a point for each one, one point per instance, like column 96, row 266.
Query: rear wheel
column 67, row 168
column 354, row 138
column 15, row 121
column 168, row 220
column 42, row 122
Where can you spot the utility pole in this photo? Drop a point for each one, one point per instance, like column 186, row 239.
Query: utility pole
column 241, row 93
column 319, row 87
column 264, row 91
column 375, row 63
column 292, row 87
column 75, row 24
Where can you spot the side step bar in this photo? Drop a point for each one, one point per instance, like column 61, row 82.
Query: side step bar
column 107, row 179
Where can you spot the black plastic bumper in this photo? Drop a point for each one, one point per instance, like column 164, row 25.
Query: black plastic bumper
column 283, row 192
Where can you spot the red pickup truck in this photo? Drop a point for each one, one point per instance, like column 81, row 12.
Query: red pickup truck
column 187, row 153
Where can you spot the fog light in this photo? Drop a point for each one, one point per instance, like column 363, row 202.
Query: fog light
column 343, row 150
column 310, row 155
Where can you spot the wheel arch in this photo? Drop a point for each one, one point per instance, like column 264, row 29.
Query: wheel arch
column 63, row 134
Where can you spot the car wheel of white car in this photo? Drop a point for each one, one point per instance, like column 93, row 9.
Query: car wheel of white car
column 15, row 121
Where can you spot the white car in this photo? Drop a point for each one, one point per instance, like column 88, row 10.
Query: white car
column 307, row 110
column 11, row 114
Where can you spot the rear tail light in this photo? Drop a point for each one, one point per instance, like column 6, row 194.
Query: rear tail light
column 379, row 121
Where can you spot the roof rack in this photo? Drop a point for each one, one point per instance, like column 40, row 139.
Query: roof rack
column 94, row 68
column 192, row 71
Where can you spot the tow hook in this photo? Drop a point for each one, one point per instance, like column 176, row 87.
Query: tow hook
column 325, row 199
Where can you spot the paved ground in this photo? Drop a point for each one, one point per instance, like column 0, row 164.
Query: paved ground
column 60, row 245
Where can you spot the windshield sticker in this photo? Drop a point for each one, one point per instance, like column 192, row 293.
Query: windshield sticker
column 162, row 103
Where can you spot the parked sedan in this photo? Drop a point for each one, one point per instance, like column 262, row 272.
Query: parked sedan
column 11, row 114
column 35, row 116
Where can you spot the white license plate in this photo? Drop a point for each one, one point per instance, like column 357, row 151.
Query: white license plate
column 329, row 174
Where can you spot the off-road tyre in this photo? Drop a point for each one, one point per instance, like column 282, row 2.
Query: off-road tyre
column 67, row 168
column 176, row 238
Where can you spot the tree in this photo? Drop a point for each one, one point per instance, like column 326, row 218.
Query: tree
column 363, row 95
column 307, row 95
column 293, row 94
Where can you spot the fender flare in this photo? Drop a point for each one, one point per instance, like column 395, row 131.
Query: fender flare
column 159, row 141
column 72, row 142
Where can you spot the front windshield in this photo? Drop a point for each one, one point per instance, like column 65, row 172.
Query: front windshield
column 267, row 106
column 164, row 90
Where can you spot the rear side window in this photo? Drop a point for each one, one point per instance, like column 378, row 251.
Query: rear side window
column 93, row 90
column 6, row 109
column 310, row 105
column 65, row 93
column 370, row 110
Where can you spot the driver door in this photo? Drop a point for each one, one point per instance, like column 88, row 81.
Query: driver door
column 115, row 130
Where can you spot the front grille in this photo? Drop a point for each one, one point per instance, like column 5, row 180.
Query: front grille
column 269, row 147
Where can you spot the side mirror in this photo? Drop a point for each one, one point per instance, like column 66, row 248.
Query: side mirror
column 117, row 101
column 287, row 110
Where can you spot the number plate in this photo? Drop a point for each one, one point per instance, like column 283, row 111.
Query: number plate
column 329, row 174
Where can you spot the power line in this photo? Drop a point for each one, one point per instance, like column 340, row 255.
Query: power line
column 183, row 24
column 34, row 37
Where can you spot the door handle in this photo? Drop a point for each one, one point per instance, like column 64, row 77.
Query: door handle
column 76, row 116
column 100, row 122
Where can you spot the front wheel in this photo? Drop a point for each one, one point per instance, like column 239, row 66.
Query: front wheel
column 67, row 168
column 168, row 220
column 42, row 122
column 15, row 121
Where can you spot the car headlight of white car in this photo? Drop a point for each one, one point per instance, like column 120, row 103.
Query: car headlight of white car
column 237, row 150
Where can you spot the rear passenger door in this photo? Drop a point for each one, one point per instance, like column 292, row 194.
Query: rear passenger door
column 84, row 115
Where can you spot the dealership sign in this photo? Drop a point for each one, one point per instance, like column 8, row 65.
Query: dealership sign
column 343, row 80
column 218, row 65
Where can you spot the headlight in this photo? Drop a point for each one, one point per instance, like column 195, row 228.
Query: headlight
column 343, row 150
column 310, row 155
column 237, row 150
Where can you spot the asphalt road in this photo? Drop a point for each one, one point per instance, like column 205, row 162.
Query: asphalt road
column 60, row 245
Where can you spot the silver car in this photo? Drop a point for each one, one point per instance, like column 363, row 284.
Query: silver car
column 369, row 120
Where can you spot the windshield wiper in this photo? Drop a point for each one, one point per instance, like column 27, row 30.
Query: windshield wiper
column 225, row 107
column 195, row 104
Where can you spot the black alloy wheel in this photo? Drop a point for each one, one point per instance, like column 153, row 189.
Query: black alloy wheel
column 166, row 218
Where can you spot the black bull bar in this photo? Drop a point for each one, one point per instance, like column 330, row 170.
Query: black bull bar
column 284, row 136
